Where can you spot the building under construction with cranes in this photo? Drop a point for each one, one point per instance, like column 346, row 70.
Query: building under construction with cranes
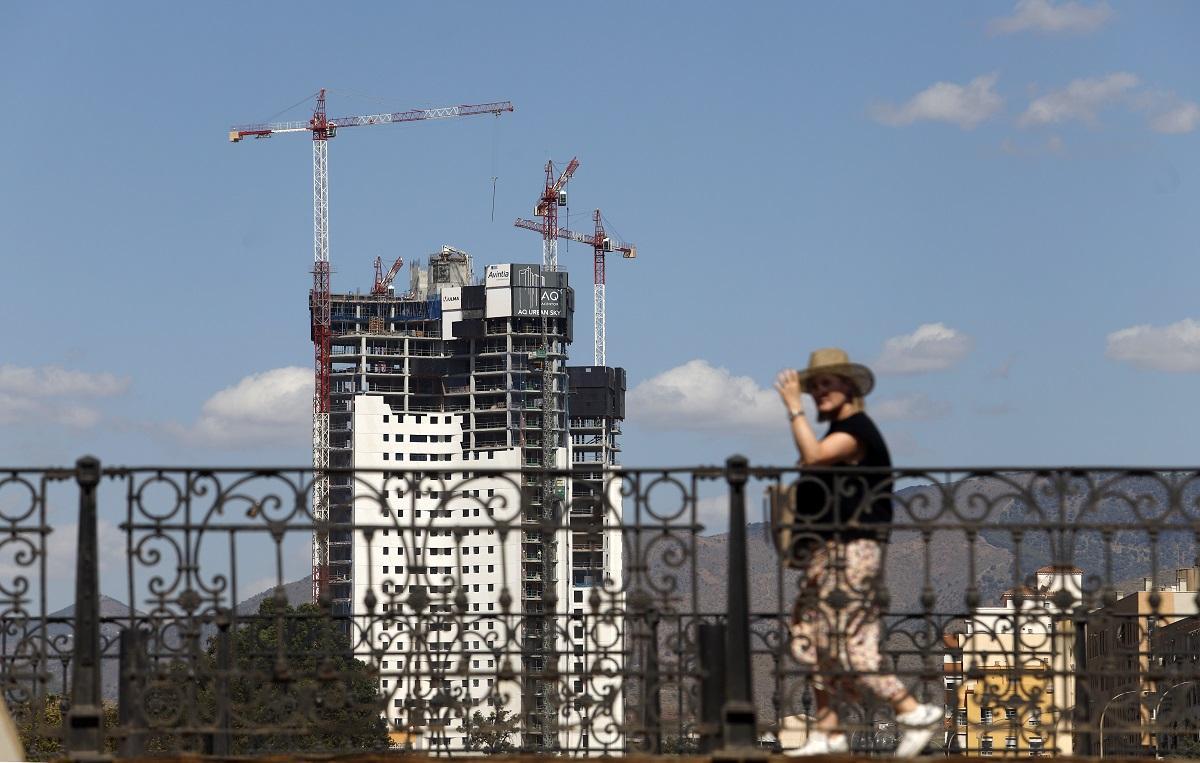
column 464, row 380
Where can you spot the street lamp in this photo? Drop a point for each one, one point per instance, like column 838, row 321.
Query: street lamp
column 1143, row 692
column 1154, row 715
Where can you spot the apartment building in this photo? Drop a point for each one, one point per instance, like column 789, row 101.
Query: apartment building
column 1137, row 655
column 1012, row 670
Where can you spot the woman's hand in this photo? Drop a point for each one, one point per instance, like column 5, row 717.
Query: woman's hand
column 787, row 384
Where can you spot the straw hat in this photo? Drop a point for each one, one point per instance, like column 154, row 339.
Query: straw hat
column 832, row 360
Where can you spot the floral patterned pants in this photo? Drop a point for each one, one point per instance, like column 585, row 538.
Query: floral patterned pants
column 835, row 622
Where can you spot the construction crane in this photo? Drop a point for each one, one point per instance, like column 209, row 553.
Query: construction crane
column 384, row 282
column 601, row 245
column 322, row 129
column 554, row 195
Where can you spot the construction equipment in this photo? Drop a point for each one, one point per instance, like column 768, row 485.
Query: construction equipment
column 384, row 282
column 322, row 129
column 601, row 245
column 554, row 195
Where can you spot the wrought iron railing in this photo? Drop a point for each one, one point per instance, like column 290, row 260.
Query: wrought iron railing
column 1044, row 611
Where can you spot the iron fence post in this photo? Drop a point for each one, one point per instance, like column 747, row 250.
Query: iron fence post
column 711, row 642
column 85, row 719
column 1082, row 744
column 130, row 694
column 653, row 685
column 738, row 715
column 221, row 742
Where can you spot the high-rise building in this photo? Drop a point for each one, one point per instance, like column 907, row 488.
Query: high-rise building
column 492, row 580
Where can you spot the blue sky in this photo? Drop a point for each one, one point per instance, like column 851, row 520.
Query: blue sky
column 993, row 203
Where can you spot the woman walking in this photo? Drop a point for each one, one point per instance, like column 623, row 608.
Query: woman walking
column 839, row 542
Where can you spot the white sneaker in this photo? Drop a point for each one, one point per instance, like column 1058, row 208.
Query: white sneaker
column 916, row 728
column 820, row 743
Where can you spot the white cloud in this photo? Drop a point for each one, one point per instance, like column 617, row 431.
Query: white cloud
column 1181, row 117
column 1167, row 348
column 1080, row 100
column 932, row 347
column 55, row 381
column 698, row 396
column 50, row 394
column 713, row 512
column 269, row 408
column 914, row 407
column 1045, row 16
column 963, row 105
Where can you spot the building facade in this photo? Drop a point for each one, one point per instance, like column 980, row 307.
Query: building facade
column 1132, row 664
column 1012, row 671
column 475, row 586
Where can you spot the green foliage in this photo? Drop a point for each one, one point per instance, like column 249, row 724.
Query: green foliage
column 492, row 734
column 294, row 687
column 41, row 725
column 674, row 744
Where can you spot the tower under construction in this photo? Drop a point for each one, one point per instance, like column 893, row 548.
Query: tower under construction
column 459, row 394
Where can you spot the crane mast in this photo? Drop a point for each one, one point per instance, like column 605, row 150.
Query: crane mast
column 319, row 300
column 322, row 129
column 553, row 196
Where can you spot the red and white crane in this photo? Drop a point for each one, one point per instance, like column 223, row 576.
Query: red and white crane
column 322, row 129
column 554, row 195
column 601, row 245
column 384, row 282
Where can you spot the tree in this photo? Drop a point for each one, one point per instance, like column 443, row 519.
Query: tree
column 294, row 687
column 41, row 724
column 492, row 734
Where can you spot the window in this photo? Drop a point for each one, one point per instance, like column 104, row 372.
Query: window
column 385, row 419
column 399, row 456
column 385, row 438
column 418, row 457
column 1010, row 713
column 985, row 745
column 961, row 716
column 985, row 715
column 1035, row 719
column 385, row 456
column 1037, row 746
column 1010, row 743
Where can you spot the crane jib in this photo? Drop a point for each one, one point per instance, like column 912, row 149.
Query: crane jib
column 265, row 129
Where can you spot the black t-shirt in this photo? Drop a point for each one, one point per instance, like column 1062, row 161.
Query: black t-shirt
column 844, row 503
